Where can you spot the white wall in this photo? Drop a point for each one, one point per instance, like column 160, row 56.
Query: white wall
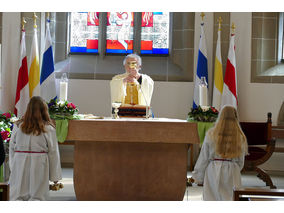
column 170, row 99
column 10, row 60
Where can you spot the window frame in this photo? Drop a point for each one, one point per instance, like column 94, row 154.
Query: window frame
column 281, row 38
column 136, row 37
column 268, row 74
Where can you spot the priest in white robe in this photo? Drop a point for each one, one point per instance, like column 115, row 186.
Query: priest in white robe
column 132, row 87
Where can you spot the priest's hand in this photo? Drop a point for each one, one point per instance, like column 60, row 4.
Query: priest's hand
column 129, row 79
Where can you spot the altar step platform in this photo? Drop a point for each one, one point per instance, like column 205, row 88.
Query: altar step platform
column 192, row 193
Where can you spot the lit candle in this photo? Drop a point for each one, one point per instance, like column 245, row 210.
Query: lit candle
column 202, row 95
column 63, row 91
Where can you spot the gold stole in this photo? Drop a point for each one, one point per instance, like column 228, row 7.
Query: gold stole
column 131, row 94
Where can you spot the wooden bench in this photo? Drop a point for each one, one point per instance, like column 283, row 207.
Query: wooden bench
column 258, row 194
column 4, row 193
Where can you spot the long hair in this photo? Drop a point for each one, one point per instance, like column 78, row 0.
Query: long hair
column 227, row 135
column 35, row 117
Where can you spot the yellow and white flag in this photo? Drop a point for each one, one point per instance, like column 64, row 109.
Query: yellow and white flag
column 34, row 71
column 218, row 75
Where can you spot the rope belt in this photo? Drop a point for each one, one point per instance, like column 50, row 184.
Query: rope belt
column 221, row 159
column 42, row 152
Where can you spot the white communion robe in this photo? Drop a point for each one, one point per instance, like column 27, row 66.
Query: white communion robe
column 118, row 89
column 31, row 172
column 218, row 177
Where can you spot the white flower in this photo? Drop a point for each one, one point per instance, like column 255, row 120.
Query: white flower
column 205, row 108
column 61, row 103
column 14, row 119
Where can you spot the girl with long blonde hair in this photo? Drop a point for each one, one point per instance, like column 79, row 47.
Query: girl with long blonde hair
column 221, row 158
column 33, row 154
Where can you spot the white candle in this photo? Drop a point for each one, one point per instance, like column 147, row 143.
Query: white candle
column 63, row 91
column 202, row 95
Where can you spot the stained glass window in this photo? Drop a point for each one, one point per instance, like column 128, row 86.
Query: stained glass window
column 155, row 27
column 84, row 32
column 119, row 33
column 155, row 33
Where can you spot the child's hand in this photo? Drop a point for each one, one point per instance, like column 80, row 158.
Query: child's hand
column 56, row 186
column 191, row 180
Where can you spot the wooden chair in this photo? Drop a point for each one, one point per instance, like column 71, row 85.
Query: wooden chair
column 258, row 194
column 261, row 145
column 4, row 194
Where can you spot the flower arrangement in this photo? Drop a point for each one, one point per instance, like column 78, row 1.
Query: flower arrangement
column 6, row 125
column 204, row 114
column 62, row 110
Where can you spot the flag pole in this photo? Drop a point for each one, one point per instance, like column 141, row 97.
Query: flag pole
column 47, row 17
column 219, row 23
column 34, row 71
column 202, row 16
column 22, row 91
column 201, row 68
column 233, row 28
column 47, row 75
column 35, row 18
column 23, row 23
column 230, row 95
column 218, row 71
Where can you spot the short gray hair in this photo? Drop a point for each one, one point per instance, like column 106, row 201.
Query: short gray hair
column 133, row 55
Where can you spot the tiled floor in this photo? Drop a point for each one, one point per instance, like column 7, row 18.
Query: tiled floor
column 193, row 193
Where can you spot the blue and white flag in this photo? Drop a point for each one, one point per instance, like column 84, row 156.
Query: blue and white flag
column 47, row 76
column 202, row 67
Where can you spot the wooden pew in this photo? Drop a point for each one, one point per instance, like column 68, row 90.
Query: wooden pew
column 258, row 194
column 4, row 195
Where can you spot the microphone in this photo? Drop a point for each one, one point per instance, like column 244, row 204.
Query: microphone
column 147, row 106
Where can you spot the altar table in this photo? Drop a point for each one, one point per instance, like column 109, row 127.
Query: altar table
column 131, row 159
